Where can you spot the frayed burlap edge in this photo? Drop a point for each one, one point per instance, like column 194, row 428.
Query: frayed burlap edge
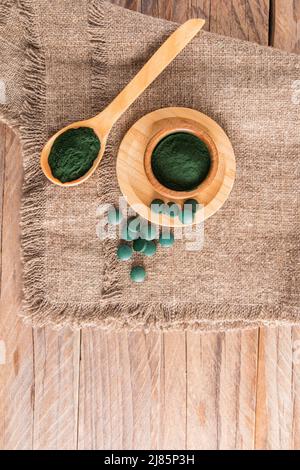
column 154, row 316
column 37, row 310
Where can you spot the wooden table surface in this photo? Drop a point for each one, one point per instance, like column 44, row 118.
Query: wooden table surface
column 95, row 390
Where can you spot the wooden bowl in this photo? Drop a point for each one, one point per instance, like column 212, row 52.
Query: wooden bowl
column 172, row 126
column 139, row 185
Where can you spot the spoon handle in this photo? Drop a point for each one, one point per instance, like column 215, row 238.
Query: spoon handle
column 151, row 70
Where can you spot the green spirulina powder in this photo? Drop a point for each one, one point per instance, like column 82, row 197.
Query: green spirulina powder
column 181, row 161
column 73, row 153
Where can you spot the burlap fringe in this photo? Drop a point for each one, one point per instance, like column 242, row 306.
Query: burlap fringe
column 7, row 114
column 37, row 309
column 34, row 200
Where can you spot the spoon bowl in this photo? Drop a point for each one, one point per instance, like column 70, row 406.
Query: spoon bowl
column 103, row 122
column 100, row 133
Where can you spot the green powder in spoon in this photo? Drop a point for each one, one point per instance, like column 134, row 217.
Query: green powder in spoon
column 181, row 161
column 73, row 153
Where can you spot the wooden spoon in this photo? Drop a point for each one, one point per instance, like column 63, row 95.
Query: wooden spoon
column 103, row 122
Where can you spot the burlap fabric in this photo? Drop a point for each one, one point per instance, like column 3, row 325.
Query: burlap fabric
column 63, row 61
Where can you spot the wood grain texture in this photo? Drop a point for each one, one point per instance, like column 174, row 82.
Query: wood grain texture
column 2, row 173
column 16, row 375
column 134, row 5
column 221, row 375
column 174, row 435
column 275, row 393
column 286, row 25
column 243, row 19
column 120, row 391
column 178, row 11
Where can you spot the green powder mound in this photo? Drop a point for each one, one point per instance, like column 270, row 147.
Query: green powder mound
column 181, row 161
column 73, row 153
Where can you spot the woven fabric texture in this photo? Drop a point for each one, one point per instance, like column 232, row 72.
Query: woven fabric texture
column 65, row 61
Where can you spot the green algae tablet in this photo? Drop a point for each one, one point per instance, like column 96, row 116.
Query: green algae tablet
column 157, row 206
column 124, row 252
column 186, row 215
column 150, row 249
column 148, row 231
column 193, row 203
column 139, row 245
column 181, row 161
column 138, row 274
column 114, row 216
column 166, row 240
column 172, row 209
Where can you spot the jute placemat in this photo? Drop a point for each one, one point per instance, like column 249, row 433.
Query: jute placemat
column 63, row 61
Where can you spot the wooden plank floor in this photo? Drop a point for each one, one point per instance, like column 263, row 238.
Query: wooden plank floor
column 95, row 390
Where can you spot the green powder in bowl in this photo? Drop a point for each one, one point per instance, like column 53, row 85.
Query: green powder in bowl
column 181, row 161
column 73, row 153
